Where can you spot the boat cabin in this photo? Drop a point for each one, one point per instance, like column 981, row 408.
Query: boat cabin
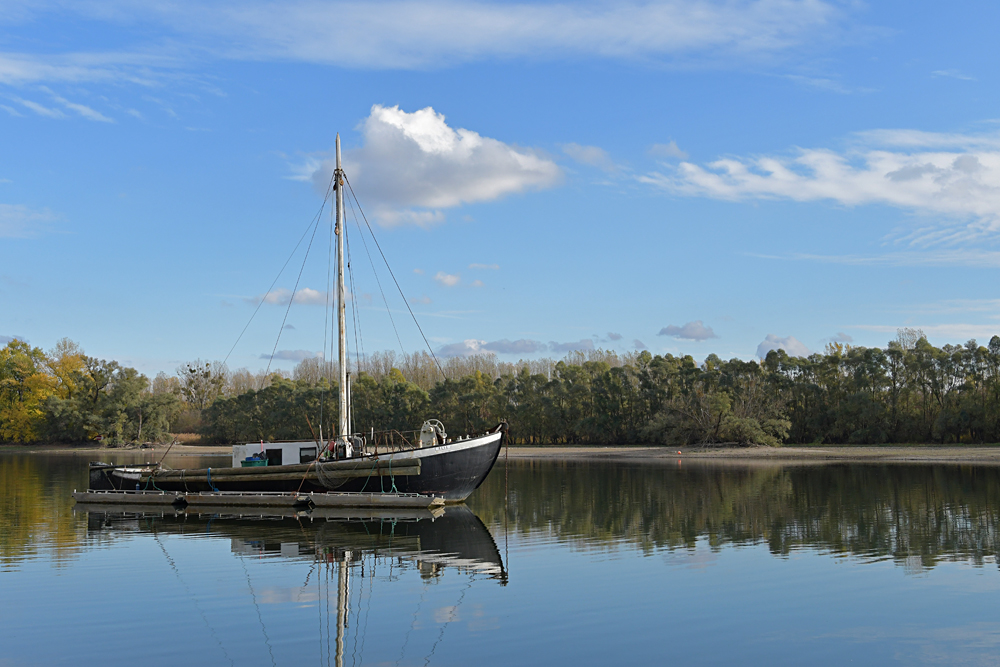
column 273, row 453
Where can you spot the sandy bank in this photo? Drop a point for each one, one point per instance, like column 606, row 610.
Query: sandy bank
column 968, row 454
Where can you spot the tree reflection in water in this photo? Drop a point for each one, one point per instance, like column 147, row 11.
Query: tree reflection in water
column 913, row 514
column 910, row 513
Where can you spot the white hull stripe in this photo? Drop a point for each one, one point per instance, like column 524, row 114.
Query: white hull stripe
column 424, row 452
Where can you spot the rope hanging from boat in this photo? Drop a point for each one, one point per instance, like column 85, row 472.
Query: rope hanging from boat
column 403, row 296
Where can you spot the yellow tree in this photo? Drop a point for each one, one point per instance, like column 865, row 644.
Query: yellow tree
column 24, row 386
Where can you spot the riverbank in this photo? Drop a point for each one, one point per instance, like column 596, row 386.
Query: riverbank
column 811, row 454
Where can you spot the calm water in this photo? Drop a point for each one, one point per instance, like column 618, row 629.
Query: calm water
column 586, row 564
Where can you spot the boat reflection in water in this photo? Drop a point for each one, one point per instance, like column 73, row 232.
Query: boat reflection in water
column 339, row 544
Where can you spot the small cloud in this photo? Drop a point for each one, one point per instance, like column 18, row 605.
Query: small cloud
column 638, row 344
column 4, row 340
column 952, row 74
column 585, row 344
column 447, row 279
column 281, row 296
column 491, row 267
column 789, row 344
column 669, row 150
column 419, row 272
column 614, row 336
column 12, row 111
column 473, row 346
column 521, row 346
column 841, row 337
column 477, row 283
column 589, row 155
column 691, row 331
column 293, row 355
column 464, row 349
column 424, row 300
column 290, row 327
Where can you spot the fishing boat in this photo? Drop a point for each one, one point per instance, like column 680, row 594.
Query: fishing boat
column 428, row 462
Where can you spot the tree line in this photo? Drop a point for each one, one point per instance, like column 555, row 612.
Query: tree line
column 909, row 391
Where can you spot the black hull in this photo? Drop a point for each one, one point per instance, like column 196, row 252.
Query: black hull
column 452, row 471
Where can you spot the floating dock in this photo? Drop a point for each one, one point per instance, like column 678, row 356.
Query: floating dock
column 260, row 499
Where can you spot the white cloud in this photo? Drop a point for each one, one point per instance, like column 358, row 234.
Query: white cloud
column 691, row 331
column 424, row 300
column 790, row 344
column 419, row 272
column 492, row 267
column 477, row 283
column 669, row 150
column 447, row 279
column 412, row 166
column 305, row 296
column 592, row 156
column 18, row 221
column 614, row 336
column 955, row 177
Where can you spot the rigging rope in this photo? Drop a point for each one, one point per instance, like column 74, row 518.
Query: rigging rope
column 375, row 273
column 405, row 302
column 319, row 214
column 291, row 299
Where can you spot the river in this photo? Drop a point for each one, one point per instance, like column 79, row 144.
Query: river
column 568, row 563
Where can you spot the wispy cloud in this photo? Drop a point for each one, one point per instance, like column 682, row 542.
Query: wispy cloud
column 592, row 156
column 18, row 221
column 966, row 257
column 952, row 74
column 417, row 34
column 492, row 267
column 669, row 150
column 953, row 177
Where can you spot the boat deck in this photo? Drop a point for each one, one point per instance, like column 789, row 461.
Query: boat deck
column 259, row 499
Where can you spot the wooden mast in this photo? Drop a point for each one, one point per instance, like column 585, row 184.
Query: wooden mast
column 342, row 428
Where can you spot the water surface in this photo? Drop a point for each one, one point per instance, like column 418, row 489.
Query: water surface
column 577, row 563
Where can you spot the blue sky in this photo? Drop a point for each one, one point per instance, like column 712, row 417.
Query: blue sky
column 687, row 177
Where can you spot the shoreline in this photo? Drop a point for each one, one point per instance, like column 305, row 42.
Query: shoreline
column 810, row 455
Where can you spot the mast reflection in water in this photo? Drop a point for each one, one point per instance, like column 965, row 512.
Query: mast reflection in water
column 348, row 553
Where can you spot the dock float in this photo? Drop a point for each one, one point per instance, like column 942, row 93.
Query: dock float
column 260, row 499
